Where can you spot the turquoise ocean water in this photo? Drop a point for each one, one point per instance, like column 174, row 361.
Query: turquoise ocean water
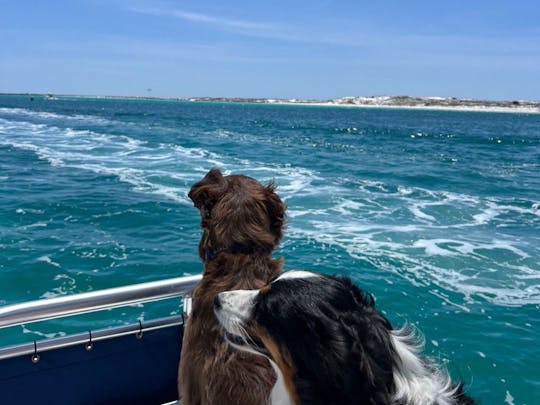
column 436, row 213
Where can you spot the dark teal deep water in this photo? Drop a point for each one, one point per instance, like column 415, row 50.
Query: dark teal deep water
column 436, row 213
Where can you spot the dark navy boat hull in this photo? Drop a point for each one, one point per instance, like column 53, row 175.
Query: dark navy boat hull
column 122, row 370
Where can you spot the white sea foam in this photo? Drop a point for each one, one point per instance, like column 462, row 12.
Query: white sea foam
column 384, row 224
column 129, row 159
column 166, row 169
column 432, row 248
column 295, row 212
column 67, row 285
column 508, row 398
column 347, row 206
column 487, row 215
column 28, row 113
column 418, row 213
column 390, row 248
column 405, row 190
column 48, row 116
column 35, row 225
column 51, row 335
column 292, row 181
column 48, row 260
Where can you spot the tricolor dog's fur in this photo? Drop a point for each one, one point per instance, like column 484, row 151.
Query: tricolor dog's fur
column 330, row 345
column 242, row 222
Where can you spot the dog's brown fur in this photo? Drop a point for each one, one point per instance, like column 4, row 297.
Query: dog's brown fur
column 242, row 222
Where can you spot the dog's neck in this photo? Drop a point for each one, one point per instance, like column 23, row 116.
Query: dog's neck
column 240, row 270
column 212, row 254
column 231, row 272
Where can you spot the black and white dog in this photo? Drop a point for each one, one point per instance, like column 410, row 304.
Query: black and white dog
column 329, row 344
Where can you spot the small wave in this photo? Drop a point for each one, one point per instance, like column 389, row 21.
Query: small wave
column 508, row 398
column 67, row 286
column 23, row 211
column 420, row 234
column 445, row 209
column 28, row 113
column 35, row 225
column 347, row 206
column 485, row 216
column 292, row 181
column 429, row 237
column 350, row 130
column 49, row 116
column 418, row 213
column 48, row 260
column 450, row 247
column 432, row 247
column 51, row 335
column 131, row 160
column 491, row 273
column 167, row 170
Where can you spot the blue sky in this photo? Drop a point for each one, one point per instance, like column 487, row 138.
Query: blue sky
column 278, row 49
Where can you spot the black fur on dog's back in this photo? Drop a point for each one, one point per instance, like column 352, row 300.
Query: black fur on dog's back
column 343, row 350
column 344, row 321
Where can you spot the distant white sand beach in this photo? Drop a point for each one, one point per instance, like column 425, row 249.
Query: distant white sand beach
column 397, row 102
column 423, row 103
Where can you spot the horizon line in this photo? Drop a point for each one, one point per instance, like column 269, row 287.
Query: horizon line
column 232, row 98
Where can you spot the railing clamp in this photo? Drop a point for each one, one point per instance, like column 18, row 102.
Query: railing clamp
column 35, row 356
column 89, row 345
column 139, row 334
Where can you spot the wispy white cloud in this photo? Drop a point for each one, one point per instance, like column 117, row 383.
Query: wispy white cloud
column 204, row 18
column 270, row 30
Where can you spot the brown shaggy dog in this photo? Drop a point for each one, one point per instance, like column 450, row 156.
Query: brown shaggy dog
column 242, row 222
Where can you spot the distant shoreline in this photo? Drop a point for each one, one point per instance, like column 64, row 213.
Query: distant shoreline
column 393, row 102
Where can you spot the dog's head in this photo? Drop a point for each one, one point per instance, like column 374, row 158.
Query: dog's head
column 237, row 212
column 323, row 333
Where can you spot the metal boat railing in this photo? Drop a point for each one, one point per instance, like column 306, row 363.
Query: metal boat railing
column 40, row 310
column 52, row 308
column 86, row 338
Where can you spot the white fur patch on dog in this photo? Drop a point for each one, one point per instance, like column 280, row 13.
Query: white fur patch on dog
column 236, row 309
column 418, row 382
column 291, row 274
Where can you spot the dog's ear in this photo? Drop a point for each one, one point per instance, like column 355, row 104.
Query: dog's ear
column 276, row 211
column 214, row 176
column 205, row 193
